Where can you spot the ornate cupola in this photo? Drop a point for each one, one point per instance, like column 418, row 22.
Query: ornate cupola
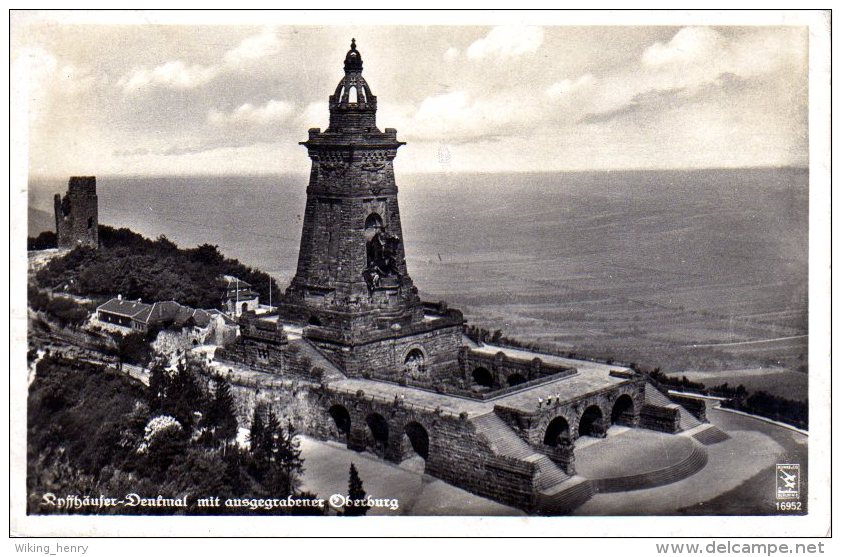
column 353, row 108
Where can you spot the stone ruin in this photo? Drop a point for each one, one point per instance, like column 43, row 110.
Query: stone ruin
column 77, row 214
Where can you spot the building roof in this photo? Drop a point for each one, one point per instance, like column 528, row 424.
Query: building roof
column 126, row 308
column 160, row 312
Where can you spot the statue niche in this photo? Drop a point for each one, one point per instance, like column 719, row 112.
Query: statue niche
column 383, row 253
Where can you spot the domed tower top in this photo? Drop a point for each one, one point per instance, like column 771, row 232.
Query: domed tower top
column 353, row 108
column 353, row 60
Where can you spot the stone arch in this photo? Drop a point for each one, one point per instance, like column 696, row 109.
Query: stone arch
column 515, row 379
column 244, row 307
column 341, row 419
column 483, row 377
column 378, row 427
column 623, row 410
column 414, row 361
column 352, row 96
column 418, row 439
column 557, row 432
column 591, row 422
column 314, row 320
column 373, row 224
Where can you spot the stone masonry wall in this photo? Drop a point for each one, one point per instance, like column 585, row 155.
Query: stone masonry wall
column 77, row 214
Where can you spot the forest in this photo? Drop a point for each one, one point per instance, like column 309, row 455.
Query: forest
column 136, row 267
column 92, row 430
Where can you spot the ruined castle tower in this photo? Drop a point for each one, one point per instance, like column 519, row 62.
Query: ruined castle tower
column 351, row 286
column 77, row 214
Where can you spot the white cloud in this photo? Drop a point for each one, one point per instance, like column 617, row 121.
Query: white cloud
column 567, row 86
column 690, row 45
column 506, row 42
column 315, row 115
column 174, row 75
column 177, row 74
column 255, row 47
column 457, row 117
column 270, row 113
column 451, row 54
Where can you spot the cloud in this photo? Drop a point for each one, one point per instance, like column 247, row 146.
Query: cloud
column 567, row 86
column 506, row 42
column 689, row 45
column 270, row 113
column 137, row 152
column 177, row 74
column 253, row 48
column 451, row 54
column 458, row 117
column 647, row 101
column 173, row 75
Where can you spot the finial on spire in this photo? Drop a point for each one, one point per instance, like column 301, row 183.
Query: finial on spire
column 353, row 60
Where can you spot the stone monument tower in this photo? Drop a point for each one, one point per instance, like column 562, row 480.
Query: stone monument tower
column 351, row 275
column 351, row 286
column 76, row 214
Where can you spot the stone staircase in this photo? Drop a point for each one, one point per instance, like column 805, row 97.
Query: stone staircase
column 709, row 434
column 694, row 462
column 655, row 397
column 331, row 371
column 558, row 493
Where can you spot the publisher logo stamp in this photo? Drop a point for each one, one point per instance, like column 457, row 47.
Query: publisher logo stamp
column 788, row 481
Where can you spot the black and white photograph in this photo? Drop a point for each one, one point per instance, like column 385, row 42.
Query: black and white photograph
column 469, row 265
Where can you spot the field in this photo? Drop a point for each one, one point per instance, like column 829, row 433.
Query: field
column 685, row 270
column 634, row 265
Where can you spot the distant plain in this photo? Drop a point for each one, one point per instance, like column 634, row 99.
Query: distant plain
column 703, row 273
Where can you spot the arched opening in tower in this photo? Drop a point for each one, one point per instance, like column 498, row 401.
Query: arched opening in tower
column 591, row 422
column 341, row 419
column 373, row 225
column 623, row 410
column 415, row 363
column 378, row 426
column 557, row 433
column 352, row 95
column 418, row 439
column 483, row 377
column 382, row 251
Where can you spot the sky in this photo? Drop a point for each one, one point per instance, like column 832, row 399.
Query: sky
column 179, row 99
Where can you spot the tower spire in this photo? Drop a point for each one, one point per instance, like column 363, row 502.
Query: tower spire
column 353, row 59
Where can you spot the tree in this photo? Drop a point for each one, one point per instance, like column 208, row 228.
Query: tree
column 133, row 348
column 255, row 435
column 288, row 457
column 220, row 417
column 44, row 240
column 159, row 384
column 356, row 495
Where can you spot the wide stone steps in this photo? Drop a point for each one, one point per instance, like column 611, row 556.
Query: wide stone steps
column 710, row 435
column 550, row 474
column 573, row 494
column 653, row 396
column 331, row 371
column 694, row 462
column 506, row 442
column 501, row 437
